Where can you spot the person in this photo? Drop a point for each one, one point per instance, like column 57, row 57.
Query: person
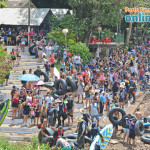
column 13, row 57
column 26, row 110
column 85, row 116
column 126, row 128
column 77, row 60
column 48, row 49
column 15, row 104
column 57, row 133
column 47, row 67
column 81, row 132
column 115, row 88
column 23, row 42
column 95, row 131
column 13, row 92
column 80, row 90
column 87, row 94
column 70, row 107
column 18, row 56
column 61, row 110
column 40, row 52
column 138, row 114
column 132, row 132
column 94, row 112
column 43, row 114
column 101, row 103
column 62, row 144
column 49, row 99
column 32, row 115
column 43, row 131
column 52, row 62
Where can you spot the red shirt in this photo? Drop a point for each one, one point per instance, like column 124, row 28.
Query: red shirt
column 15, row 100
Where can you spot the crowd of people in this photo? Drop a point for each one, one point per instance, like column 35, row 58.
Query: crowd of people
column 102, row 83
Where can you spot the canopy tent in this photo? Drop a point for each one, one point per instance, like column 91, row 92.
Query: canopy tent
column 19, row 16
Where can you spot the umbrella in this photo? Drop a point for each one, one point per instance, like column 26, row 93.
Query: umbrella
column 39, row 83
column 29, row 77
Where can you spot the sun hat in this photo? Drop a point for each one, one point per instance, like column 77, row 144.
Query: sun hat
column 82, row 111
column 58, row 100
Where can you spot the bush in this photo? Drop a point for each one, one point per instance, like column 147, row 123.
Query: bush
column 82, row 49
column 5, row 63
column 33, row 145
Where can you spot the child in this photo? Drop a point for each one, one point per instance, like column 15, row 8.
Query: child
column 132, row 132
column 105, row 84
column 32, row 115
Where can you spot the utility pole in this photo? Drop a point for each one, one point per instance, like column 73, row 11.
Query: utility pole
column 29, row 2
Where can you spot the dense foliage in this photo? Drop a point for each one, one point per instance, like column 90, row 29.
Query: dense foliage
column 57, row 36
column 5, row 63
column 82, row 49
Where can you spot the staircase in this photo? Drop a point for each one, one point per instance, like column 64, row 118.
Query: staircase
column 12, row 128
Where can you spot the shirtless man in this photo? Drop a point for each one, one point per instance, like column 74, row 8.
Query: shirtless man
column 43, row 131
column 138, row 114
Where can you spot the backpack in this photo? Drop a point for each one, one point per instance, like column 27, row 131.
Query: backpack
column 70, row 104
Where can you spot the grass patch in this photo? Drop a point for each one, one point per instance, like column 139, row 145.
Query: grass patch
column 33, row 145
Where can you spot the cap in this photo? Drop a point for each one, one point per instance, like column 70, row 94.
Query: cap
column 94, row 123
column 60, row 127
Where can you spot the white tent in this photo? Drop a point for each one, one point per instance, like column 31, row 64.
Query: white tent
column 19, row 16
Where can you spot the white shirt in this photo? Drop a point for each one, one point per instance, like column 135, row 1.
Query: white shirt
column 49, row 100
column 77, row 59
column 64, row 55
column 94, row 109
column 132, row 69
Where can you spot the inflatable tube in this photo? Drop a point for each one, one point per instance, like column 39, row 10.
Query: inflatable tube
column 3, row 110
column 39, row 73
column 48, row 85
column 63, row 89
column 71, row 83
column 70, row 136
column 31, row 50
column 49, row 132
column 45, row 76
column 106, row 132
column 139, row 128
column 112, row 120
column 124, row 121
column 55, row 96
column 146, row 139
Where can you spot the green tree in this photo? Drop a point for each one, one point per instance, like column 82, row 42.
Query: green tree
column 82, row 49
column 57, row 36
column 70, row 22
column 5, row 63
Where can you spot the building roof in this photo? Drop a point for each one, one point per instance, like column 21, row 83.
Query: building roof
column 19, row 16
column 18, row 4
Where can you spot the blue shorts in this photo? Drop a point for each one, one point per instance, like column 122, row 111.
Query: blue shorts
column 140, row 77
column 40, row 52
column 25, row 112
column 87, row 95
column 96, row 116
column 48, row 52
